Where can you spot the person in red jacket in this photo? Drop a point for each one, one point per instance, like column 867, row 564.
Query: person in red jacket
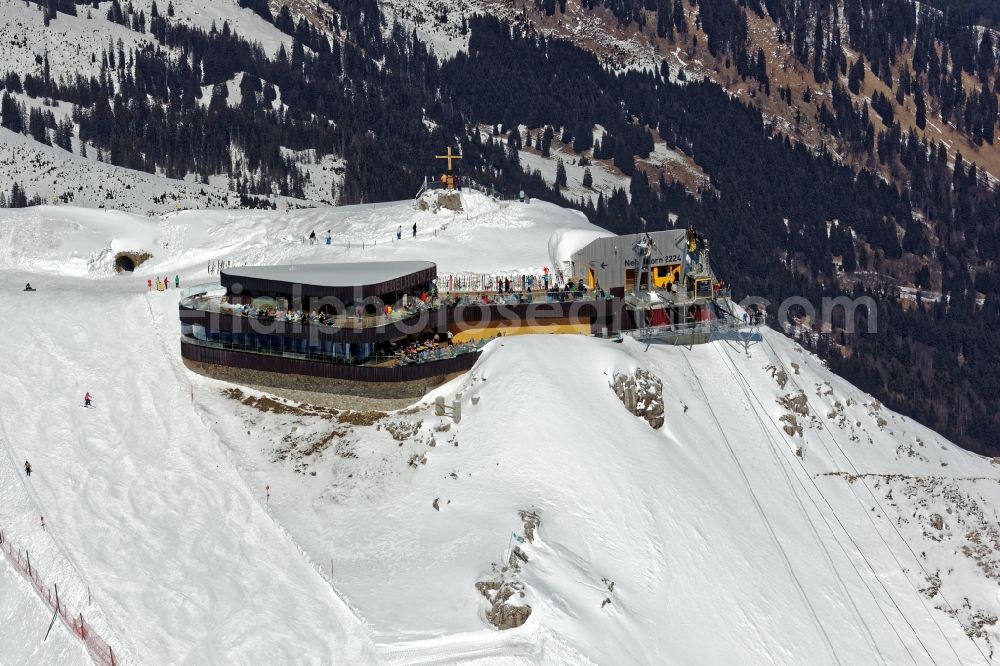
column 86, row 399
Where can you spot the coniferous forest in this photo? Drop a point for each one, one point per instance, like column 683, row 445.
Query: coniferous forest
column 375, row 95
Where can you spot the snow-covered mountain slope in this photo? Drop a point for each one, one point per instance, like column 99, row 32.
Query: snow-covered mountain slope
column 52, row 174
column 73, row 46
column 74, row 43
column 721, row 543
column 779, row 515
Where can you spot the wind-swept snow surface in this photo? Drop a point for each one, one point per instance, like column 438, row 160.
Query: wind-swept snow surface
column 721, row 543
column 780, row 515
column 182, row 559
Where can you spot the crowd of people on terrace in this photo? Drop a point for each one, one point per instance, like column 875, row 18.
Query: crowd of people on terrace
column 272, row 312
column 510, row 282
column 570, row 291
column 413, row 304
column 429, row 348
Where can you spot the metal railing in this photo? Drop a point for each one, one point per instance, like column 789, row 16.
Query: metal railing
column 214, row 304
column 518, row 297
column 678, row 298
column 726, row 324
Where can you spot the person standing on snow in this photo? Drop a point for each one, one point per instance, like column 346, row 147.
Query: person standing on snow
column 312, row 237
column 27, row 468
column 414, row 229
column 149, row 285
column 329, row 238
column 86, row 399
column 399, row 232
column 177, row 281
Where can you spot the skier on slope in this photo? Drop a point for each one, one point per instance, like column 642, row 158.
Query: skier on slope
column 399, row 232
column 177, row 281
column 86, row 399
column 414, row 229
column 27, row 468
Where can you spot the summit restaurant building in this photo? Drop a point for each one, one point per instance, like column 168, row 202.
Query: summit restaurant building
column 350, row 324
column 327, row 311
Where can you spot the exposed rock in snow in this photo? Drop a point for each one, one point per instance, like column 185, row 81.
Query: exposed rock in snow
column 642, row 395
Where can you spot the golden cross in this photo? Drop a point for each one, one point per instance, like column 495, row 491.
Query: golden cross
column 448, row 157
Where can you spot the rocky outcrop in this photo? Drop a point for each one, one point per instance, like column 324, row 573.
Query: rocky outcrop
column 505, row 586
column 436, row 200
column 642, row 394
column 501, row 614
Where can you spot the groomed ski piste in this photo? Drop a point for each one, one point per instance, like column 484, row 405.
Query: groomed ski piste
column 780, row 515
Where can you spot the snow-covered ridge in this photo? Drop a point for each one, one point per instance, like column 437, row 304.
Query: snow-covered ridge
column 486, row 235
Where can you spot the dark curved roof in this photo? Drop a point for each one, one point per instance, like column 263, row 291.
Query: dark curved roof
column 342, row 280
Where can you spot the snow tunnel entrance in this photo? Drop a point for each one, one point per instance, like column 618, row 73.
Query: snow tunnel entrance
column 126, row 262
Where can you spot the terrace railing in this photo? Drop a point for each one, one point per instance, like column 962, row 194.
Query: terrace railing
column 207, row 301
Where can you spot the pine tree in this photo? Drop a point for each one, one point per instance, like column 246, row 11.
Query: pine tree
column 10, row 114
column 680, row 21
column 18, row 199
column 819, row 72
column 761, row 73
column 583, row 139
column 588, row 179
column 64, row 135
column 36, row 127
column 918, row 100
column 664, row 19
column 547, row 140
column 560, row 174
column 914, row 240
column 856, row 76
column 623, row 158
